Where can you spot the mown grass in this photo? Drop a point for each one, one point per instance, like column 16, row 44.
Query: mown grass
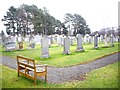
column 58, row 59
column 105, row 77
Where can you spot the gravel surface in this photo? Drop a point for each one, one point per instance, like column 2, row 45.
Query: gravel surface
column 60, row 75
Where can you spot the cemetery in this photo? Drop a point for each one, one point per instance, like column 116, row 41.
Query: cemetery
column 72, row 56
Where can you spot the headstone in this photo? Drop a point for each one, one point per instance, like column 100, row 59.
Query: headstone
column 45, row 47
column 62, row 40
column 79, row 43
column 96, row 41
column 27, row 38
column 52, row 39
column 10, row 43
column 20, row 42
column 71, row 40
column 106, row 40
column 66, row 46
column 101, row 38
column 49, row 41
column 90, row 39
column 19, row 38
column 111, row 41
column 31, row 42
column 20, row 45
column 38, row 39
column 55, row 38
column 86, row 38
column 58, row 40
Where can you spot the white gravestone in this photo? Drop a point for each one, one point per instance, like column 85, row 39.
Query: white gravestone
column 49, row 41
column 10, row 43
column 19, row 39
column 45, row 47
column 71, row 40
column 66, row 46
column 111, row 40
column 106, row 40
column 79, row 43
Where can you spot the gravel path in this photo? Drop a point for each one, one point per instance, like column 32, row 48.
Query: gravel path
column 59, row 75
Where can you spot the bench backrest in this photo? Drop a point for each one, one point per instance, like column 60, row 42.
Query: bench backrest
column 27, row 62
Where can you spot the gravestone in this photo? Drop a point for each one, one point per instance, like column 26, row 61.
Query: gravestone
column 71, row 40
column 62, row 40
column 52, row 39
column 101, row 38
column 19, row 38
column 27, row 38
column 66, row 46
column 90, row 39
column 45, row 47
column 106, row 40
column 111, row 40
column 20, row 42
column 79, row 43
column 58, row 40
column 49, row 41
column 86, row 38
column 31, row 42
column 96, row 41
column 38, row 39
column 0, row 40
column 10, row 43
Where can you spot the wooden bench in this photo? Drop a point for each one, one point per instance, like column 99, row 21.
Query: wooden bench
column 25, row 65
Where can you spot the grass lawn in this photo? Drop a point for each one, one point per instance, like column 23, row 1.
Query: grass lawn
column 105, row 77
column 57, row 59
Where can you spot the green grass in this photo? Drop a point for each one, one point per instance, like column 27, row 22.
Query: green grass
column 105, row 77
column 57, row 59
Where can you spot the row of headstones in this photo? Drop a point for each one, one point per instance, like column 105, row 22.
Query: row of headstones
column 45, row 45
column 32, row 40
column 90, row 39
column 10, row 43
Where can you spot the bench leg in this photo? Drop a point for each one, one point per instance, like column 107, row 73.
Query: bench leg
column 34, row 81
column 18, row 71
column 35, row 77
column 46, row 78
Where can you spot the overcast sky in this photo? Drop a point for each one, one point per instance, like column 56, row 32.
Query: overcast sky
column 97, row 13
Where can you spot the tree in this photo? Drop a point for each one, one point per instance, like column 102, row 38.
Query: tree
column 78, row 23
column 29, row 19
column 10, row 20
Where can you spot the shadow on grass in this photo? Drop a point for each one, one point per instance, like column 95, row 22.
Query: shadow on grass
column 105, row 47
column 31, row 81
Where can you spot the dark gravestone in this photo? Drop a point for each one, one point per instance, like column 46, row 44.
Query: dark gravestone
column 96, row 42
